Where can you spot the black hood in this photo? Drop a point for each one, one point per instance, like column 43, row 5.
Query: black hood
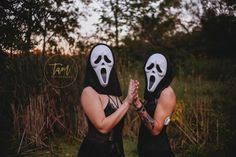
column 91, row 79
column 165, row 82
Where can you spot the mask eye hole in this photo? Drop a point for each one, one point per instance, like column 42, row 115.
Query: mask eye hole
column 158, row 68
column 150, row 66
column 107, row 59
column 98, row 59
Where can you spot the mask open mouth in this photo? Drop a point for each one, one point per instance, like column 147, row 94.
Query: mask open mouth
column 151, row 81
column 104, row 74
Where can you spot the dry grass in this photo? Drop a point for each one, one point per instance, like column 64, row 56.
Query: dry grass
column 44, row 112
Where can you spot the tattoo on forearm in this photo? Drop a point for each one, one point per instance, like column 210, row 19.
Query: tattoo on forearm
column 146, row 118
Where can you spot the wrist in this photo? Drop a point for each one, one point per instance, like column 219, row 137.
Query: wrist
column 127, row 101
column 138, row 104
column 138, row 109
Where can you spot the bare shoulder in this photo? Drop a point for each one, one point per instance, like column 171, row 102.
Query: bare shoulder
column 88, row 90
column 87, row 94
column 168, row 92
column 168, row 98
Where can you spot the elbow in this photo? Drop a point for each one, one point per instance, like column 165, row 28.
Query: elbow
column 156, row 131
column 102, row 129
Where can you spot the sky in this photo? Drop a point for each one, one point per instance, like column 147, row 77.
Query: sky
column 87, row 25
column 91, row 18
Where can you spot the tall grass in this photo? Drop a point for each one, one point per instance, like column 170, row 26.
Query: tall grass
column 205, row 104
column 200, row 121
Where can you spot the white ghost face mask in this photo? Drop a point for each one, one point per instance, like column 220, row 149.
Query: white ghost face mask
column 102, row 62
column 155, row 69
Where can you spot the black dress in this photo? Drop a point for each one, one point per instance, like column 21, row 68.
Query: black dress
column 96, row 144
column 150, row 145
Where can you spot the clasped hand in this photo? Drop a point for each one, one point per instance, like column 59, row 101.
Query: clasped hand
column 132, row 95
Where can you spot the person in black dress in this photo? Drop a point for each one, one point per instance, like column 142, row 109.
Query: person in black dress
column 155, row 112
column 102, row 106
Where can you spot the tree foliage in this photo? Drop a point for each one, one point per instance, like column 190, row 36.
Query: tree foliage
column 26, row 23
column 146, row 20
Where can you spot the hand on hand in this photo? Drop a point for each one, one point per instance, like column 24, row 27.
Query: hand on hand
column 137, row 102
column 132, row 91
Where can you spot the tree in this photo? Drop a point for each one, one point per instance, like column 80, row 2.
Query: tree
column 111, row 20
column 139, row 19
column 57, row 19
column 26, row 23
column 147, row 23
column 216, row 32
column 11, row 33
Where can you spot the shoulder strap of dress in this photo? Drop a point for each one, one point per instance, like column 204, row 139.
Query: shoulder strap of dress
column 120, row 100
column 109, row 98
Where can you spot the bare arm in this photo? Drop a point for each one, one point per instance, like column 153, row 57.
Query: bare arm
column 93, row 108
column 165, row 107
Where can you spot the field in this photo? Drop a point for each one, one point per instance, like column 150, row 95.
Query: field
column 48, row 121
